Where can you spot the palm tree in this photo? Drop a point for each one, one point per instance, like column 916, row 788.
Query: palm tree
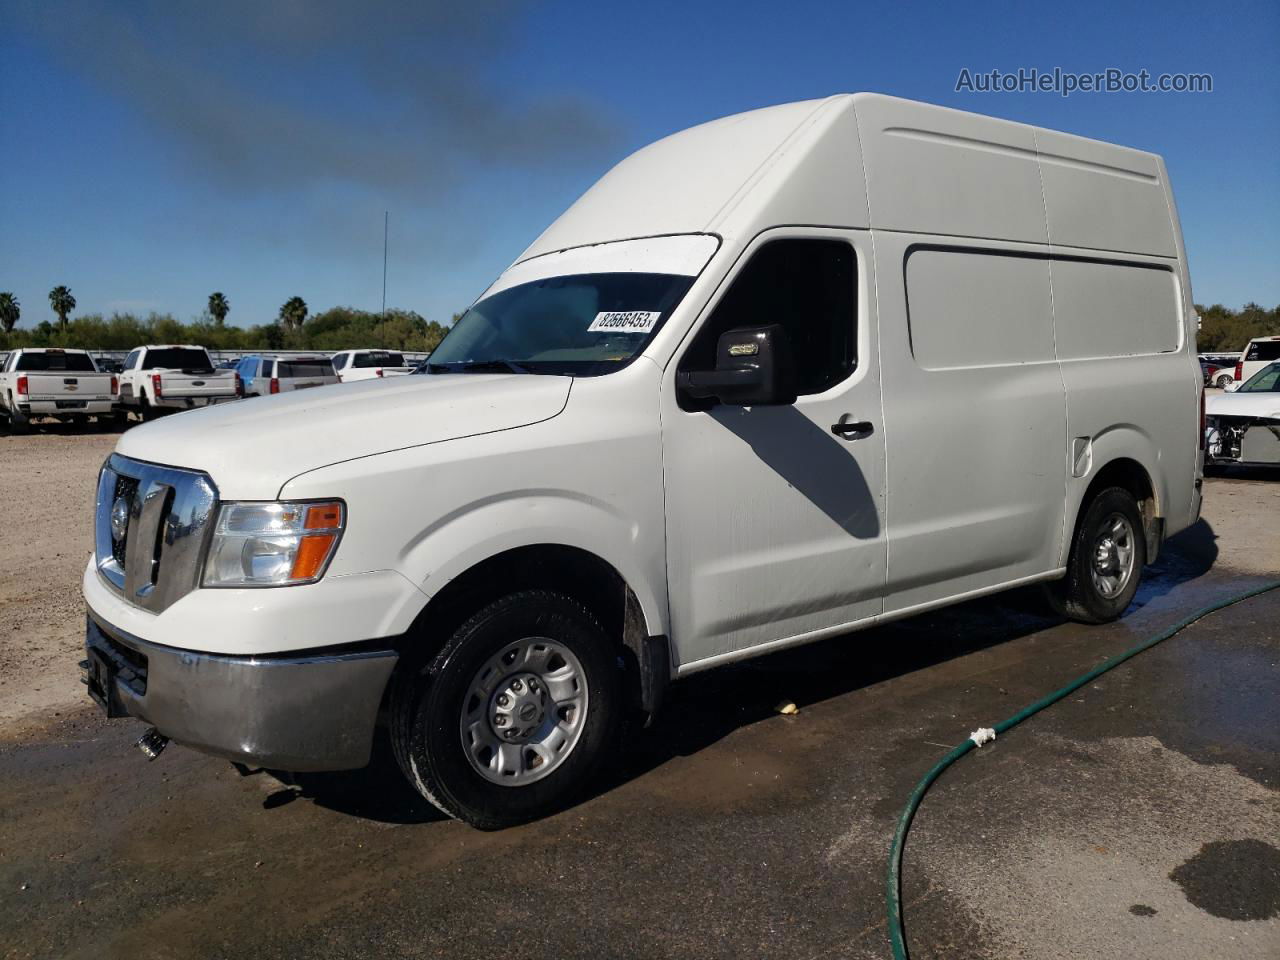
column 293, row 313
column 10, row 311
column 219, row 307
column 62, row 302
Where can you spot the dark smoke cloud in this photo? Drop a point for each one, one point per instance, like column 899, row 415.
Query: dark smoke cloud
column 392, row 97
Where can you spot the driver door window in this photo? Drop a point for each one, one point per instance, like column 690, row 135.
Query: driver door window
column 809, row 286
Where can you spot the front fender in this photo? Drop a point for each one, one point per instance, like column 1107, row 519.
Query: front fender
column 487, row 527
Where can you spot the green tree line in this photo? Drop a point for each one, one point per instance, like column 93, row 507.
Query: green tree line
column 1227, row 331
column 337, row 328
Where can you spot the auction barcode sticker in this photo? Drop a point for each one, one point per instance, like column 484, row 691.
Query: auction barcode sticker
column 624, row 321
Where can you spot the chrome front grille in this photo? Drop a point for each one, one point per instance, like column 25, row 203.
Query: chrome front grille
column 154, row 557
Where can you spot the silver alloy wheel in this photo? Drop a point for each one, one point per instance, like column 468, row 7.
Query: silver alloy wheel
column 1111, row 564
column 524, row 712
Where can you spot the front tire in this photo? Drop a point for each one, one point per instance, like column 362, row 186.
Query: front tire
column 515, row 716
column 1108, row 552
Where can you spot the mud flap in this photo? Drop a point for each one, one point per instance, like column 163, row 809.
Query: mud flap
column 648, row 661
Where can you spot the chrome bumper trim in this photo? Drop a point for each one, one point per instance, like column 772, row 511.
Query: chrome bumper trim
column 304, row 712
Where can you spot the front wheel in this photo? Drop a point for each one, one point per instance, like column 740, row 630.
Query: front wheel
column 515, row 716
column 1108, row 552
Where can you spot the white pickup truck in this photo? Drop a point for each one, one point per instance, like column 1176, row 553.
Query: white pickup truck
column 49, row 382
column 172, row 377
column 354, row 365
column 778, row 378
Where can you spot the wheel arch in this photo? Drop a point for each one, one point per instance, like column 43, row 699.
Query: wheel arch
column 572, row 570
column 1132, row 475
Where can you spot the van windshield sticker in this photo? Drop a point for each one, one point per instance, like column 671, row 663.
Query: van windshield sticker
column 624, row 321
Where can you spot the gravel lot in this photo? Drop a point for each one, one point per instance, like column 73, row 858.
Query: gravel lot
column 47, row 482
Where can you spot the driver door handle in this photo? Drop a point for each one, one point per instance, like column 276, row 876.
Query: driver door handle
column 852, row 429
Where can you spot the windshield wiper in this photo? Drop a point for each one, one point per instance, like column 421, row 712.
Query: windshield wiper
column 477, row 366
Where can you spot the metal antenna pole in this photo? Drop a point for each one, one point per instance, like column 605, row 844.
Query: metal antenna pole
column 382, row 317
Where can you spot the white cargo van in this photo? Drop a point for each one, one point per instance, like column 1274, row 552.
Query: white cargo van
column 778, row 377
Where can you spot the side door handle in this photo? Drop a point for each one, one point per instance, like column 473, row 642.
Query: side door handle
column 847, row 429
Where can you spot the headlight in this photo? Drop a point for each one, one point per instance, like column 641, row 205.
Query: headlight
column 273, row 544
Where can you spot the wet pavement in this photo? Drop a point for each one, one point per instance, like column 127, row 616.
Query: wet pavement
column 1138, row 818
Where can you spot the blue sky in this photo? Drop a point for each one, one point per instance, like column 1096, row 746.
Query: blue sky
column 156, row 151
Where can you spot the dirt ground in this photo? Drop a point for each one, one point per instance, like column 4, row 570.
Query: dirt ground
column 47, row 486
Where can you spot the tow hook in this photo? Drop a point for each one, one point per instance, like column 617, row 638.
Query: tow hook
column 152, row 743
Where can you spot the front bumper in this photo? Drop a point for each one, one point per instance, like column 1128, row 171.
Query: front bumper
column 297, row 712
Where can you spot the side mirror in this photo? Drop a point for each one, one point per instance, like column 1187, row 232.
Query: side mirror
column 1232, row 387
column 754, row 367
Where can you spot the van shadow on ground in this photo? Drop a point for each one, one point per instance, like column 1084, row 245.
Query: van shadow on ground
column 707, row 707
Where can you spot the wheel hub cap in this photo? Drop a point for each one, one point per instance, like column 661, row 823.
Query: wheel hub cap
column 519, row 708
column 524, row 711
column 1113, row 556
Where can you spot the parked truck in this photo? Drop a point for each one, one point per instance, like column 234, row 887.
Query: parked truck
column 56, row 383
column 779, row 377
column 172, row 377
column 352, row 366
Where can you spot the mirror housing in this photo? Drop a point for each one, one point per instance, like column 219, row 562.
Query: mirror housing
column 754, row 367
column 1232, row 387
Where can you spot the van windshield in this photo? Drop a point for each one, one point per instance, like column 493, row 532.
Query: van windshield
column 582, row 325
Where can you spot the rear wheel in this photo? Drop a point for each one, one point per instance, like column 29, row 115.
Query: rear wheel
column 1108, row 552
column 515, row 716
column 19, row 422
column 1225, row 380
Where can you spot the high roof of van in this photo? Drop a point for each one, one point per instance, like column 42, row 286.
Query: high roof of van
column 869, row 160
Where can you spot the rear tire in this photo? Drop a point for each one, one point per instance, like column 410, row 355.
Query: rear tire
column 1224, row 381
column 18, row 421
column 450, row 715
column 1108, row 552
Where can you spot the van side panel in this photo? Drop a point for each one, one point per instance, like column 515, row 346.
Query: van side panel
column 1122, row 314
column 975, row 415
column 1131, row 389
column 1103, row 197
column 937, row 171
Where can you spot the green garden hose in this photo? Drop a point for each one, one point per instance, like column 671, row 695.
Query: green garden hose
column 897, row 933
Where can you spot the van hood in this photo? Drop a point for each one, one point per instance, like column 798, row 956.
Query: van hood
column 251, row 448
column 1265, row 405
